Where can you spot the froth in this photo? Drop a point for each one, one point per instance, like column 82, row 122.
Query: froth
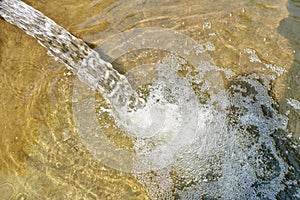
column 176, row 116
column 204, row 133
column 232, row 154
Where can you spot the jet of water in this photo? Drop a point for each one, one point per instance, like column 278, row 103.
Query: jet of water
column 74, row 53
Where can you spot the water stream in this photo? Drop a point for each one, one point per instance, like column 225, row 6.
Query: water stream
column 73, row 52
column 182, row 126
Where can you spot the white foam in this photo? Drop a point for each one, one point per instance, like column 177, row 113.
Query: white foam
column 253, row 57
column 195, row 137
column 220, row 161
column 172, row 110
column 294, row 103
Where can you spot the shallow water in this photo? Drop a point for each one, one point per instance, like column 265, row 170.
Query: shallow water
column 48, row 147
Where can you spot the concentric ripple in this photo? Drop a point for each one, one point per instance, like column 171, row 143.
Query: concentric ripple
column 204, row 132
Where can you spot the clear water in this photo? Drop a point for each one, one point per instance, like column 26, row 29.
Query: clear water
column 221, row 118
column 73, row 52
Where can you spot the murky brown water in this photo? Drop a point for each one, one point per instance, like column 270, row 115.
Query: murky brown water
column 41, row 155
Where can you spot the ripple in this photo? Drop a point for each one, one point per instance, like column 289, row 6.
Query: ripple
column 22, row 82
column 7, row 191
column 231, row 27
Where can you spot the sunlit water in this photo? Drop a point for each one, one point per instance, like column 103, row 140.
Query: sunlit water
column 221, row 115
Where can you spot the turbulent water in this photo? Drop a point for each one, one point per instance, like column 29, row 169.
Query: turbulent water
column 204, row 132
column 215, row 143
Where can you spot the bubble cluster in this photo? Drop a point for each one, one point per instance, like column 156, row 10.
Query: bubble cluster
column 204, row 132
column 232, row 154
column 194, row 131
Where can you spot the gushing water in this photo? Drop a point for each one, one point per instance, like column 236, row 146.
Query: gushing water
column 206, row 133
column 74, row 53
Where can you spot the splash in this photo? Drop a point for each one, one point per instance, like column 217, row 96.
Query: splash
column 203, row 132
column 231, row 153
column 211, row 134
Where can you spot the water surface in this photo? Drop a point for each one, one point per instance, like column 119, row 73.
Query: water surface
column 43, row 155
